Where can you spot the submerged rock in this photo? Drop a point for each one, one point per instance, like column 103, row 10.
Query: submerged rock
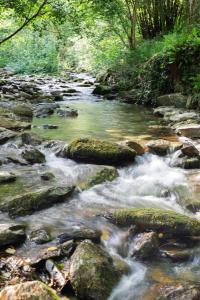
column 23, row 110
column 36, row 200
column 165, row 222
column 33, row 155
column 28, row 291
column 67, row 112
column 99, row 152
column 39, row 236
column 92, row 272
column 145, row 245
column 11, row 234
column 175, row 291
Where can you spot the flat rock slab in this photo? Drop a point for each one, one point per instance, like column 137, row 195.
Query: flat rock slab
column 13, row 124
column 6, row 177
column 191, row 130
column 36, row 200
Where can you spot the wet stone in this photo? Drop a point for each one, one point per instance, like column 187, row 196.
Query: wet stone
column 11, row 234
column 39, row 236
column 6, row 177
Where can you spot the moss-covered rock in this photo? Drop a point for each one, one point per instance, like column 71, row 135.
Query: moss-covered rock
column 5, row 135
column 99, row 152
column 103, row 175
column 23, row 110
column 32, row 290
column 92, row 272
column 33, row 155
column 13, row 124
column 102, row 90
column 162, row 221
column 36, row 200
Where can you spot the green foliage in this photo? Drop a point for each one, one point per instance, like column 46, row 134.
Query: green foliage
column 30, row 53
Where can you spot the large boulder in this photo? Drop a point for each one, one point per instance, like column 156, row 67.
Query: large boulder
column 102, row 90
column 99, row 152
column 162, row 147
column 11, row 234
column 165, row 222
column 36, row 200
column 92, row 272
column 176, row 99
column 31, row 290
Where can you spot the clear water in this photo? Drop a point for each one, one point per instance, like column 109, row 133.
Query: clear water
column 149, row 182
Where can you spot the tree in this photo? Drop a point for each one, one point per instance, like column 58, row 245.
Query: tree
column 25, row 12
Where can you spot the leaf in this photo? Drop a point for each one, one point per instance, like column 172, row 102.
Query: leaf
column 10, row 251
column 52, row 248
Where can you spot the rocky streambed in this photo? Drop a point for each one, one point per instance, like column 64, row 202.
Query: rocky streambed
column 98, row 199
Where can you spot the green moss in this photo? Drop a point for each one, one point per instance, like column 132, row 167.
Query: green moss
column 99, row 152
column 162, row 221
column 106, row 174
column 93, row 274
column 23, row 110
column 29, row 202
column 13, row 125
column 51, row 292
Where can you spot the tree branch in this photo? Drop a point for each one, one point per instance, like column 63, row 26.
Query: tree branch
column 27, row 21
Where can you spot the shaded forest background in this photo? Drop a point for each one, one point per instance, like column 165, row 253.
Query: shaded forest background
column 99, row 36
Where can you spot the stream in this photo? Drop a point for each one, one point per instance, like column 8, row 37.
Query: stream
column 150, row 182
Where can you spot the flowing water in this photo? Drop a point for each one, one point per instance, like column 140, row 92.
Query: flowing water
column 149, row 182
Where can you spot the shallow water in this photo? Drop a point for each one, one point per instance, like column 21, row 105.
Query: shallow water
column 149, row 182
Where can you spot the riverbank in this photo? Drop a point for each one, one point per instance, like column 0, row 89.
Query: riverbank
column 107, row 198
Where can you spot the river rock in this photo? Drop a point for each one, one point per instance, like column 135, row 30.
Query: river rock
column 43, row 252
column 67, row 112
column 11, row 234
column 43, row 110
column 99, row 152
column 105, row 174
column 92, row 272
column 39, row 236
column 187, row 163
column 159, row 147
column 78, row 234
column 30, row 138
column 58, row 96
column 164, row 222
column 102, row 90
column 145, row 245
column 175, row 99
column 13, row 124
column 175, row 291
column 30, row 202
column 6, row 177
column 190, row 130
column 28, row 291
column 23, row 110
column 190, row 150
column 134, row 146
column 5, row 135
column 33, row 155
